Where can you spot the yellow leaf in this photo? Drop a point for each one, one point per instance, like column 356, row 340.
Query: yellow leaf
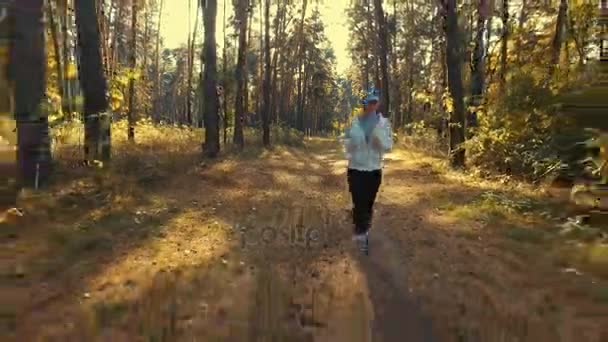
column 71, row 71
column 115, row 104
column 79, row 101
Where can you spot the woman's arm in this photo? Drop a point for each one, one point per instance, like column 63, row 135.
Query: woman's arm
column 350, row 144
column 383, row 137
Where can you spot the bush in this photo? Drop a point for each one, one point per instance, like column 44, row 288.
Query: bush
column 425, row 138
column 516, row 134
column 281, row 134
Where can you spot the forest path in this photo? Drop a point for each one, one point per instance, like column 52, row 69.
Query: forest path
column 257, row 247
column 347, row 296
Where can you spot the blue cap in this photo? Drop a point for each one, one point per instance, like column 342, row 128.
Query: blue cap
column 373, row 94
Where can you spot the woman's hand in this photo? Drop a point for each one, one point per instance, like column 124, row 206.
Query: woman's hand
column 376, row 144
column 382, row 137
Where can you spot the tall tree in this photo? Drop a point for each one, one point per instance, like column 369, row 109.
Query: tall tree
column 93, row 82
column 191, row 39
column 278, row 20
column 64, row 7
column 504, row 44
column 52, row 15
column 211, row 146
column 241, row 19
column 224, row 95
column 300, row 64
column 478, row 62
column 523, row 15
column 454, row 58
column 267, row 70
column 158, row 85
column 133, row 65
column 247, row 71
column 396, row 91
column 556, row 46
column 384, row 52
column 147, row 13
column 104, row 24
column 411, row 67
column 27, row 70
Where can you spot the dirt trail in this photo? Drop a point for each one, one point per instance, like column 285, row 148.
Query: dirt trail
column 258, row 248
column 351, row 297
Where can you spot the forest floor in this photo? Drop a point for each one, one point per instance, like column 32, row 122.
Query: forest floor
column 256, row 246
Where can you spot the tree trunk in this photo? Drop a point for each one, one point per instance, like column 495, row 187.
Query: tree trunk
column 557, row 39
column 300, row 63
column 144, row 64
column 306, row 114
column 224, row 95
column 104, row 23
column 241, row 17
column 259, row 103
column 158, row 87
column 133, row 65
column 488, row 40
column 396, row 78
column 246, row 69
column 522, row 20
column 55, row 37
column 93, row 82
column 410, row 92
column 116, row 24
column 189, row 57
column 383, row 37
column 454, row 58
column 478, row 63
column 266, row 85
column 211, row 146
column 578, row 45
column 275, row 59
column 66, row 103
column 504, row 47
column 443, row 86
column 365, row 71
column 372, row 35
column 191, row 45
column 27, row 71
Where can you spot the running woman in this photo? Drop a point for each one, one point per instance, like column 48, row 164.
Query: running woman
column 366, row 140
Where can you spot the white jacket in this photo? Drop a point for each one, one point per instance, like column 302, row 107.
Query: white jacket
column 363, row 155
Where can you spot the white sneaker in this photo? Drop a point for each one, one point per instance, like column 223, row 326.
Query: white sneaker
column 362, row 242
column 359, row 237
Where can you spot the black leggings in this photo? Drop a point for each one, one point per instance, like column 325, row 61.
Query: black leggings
column 363, row 187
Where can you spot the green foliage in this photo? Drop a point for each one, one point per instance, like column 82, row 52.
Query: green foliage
column 422, row 136
column 515, row 133
column 285, row 135
column 118, row 88
column 524, row 94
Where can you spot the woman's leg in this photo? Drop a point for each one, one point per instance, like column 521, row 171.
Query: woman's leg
column 373, row 184
column 358, row 190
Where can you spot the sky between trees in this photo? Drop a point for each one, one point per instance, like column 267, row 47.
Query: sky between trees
column 175, row 25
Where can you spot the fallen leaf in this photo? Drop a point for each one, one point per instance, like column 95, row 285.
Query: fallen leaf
column 16, row 212
column 572, row 270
